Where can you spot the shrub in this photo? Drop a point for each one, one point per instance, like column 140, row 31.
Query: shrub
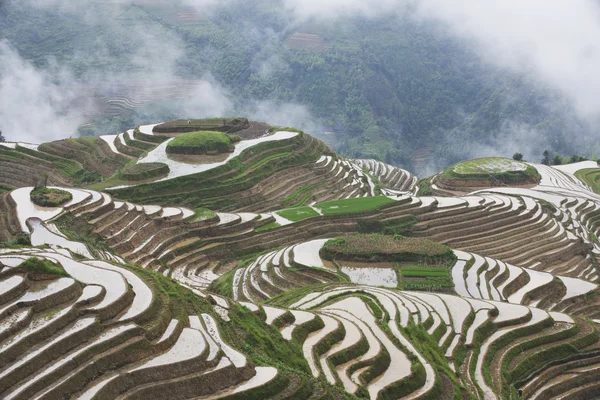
column 201, row 142
column 517, row 157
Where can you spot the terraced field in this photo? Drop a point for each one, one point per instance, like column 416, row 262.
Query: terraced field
column 467, row 176
column 236, row 278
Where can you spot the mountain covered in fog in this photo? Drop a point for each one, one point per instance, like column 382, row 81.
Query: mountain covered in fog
column 395, row 86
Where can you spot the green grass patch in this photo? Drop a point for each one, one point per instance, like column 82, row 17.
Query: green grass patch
column 138, row 144
column 494, row 169
column 224, row 284
column 348, row 206
column 44, row 267
column 69, row 168
column 8, row 157
column 300, row 196
column 201, row 142
column 493, row 165
column 424, row 272
column 424, row 278
column 298, row 213
column 262, row 343
column 268, row 227
column 5, row 189
column 202, row 213
column 46, row 197
column 138, row 172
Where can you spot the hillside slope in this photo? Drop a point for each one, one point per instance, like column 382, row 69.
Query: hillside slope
column 284, row 271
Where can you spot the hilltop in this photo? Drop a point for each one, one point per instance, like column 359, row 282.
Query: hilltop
column 278, row 269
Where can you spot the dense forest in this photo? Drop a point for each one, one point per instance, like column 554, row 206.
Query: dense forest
column 394, row 89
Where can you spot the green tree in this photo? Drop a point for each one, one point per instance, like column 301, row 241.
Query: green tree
column 518, row 156
column 546, row 157
column 556, row 160
column 577, row 158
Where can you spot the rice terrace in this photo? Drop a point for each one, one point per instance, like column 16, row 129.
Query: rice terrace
column 232, row 259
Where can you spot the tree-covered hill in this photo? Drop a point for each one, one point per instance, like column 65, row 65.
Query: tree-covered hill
column 394, row 89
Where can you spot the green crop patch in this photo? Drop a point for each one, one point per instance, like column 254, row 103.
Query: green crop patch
column 424, row 272
column 43, row 267
column 201, row 142
column 298, row 213
column 493, row 165
column 202, row 213
column 425, row 278
column 143, row 171
column 348, row 206
column 494, row 169
column 267, row 227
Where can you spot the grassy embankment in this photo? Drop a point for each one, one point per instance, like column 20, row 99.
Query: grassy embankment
column 493, row 169
column 202, row 142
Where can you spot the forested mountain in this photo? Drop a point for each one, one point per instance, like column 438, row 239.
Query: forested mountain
column 396, row 89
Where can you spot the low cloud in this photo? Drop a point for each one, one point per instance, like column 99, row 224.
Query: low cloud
column 37, row 105
column 208, row 98
column 333, row 9
column 282, row 114
column 556, row 43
